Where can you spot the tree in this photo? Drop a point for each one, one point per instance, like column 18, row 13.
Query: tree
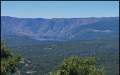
column 78, row 66
column 9, row 62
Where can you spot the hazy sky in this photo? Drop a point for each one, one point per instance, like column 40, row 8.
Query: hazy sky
column 60, row 9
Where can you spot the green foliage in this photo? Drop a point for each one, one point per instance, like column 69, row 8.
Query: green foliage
column 79, row 66
column 51, row 54
column 9, row 62
column 5, row 52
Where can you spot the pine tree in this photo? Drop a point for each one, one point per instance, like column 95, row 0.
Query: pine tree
column 9, row 62
column 78, row 66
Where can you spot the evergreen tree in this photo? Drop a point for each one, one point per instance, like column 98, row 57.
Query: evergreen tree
column 9, row 61
column 79, row 66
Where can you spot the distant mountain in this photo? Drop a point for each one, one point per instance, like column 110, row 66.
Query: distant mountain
column 59, row 29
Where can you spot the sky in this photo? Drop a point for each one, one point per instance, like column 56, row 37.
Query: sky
column 60, row 9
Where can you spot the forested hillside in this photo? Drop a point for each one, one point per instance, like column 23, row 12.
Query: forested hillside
column 46, row 57
column 45, row 43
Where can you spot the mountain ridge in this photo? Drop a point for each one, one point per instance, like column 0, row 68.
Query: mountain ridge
column 60, row 28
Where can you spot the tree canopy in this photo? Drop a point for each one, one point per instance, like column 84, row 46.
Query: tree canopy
column 9, row 61
column 78, row 66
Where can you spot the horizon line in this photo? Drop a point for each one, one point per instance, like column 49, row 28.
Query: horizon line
column 60, row 17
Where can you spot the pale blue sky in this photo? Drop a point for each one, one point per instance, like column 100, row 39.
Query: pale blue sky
column 60, row 9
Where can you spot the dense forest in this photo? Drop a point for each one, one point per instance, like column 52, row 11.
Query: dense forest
column 73, row 65
column 43, row 58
